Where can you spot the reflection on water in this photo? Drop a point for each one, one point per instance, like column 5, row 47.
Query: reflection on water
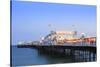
column 30, row 56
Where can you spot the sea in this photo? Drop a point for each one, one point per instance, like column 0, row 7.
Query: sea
column 31, row 56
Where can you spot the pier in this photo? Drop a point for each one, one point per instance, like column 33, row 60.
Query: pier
column 85, row 51
column 65, row 43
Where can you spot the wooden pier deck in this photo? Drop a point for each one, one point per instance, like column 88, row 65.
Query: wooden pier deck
column 75, row 47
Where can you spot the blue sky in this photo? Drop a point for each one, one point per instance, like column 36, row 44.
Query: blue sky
column 32, row 20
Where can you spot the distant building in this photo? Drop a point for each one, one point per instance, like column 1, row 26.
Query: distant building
column 36, row 43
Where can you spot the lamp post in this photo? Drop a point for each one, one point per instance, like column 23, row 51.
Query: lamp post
column 82, row 38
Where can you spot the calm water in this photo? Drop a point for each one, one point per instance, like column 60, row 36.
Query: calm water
column 30, row 56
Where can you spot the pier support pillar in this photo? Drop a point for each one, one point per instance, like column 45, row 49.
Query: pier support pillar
column 72, row 51
column 90, row 56
column 94, row 57
column 64, row 51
